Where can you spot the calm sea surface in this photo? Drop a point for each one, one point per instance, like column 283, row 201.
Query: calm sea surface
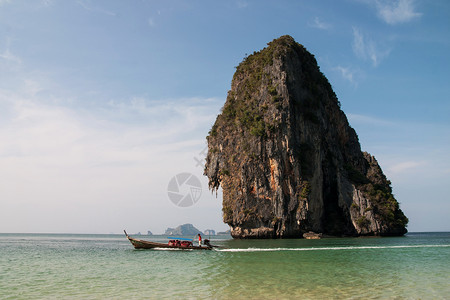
column 54, row 266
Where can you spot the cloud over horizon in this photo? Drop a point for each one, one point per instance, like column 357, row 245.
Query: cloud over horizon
column 99, row 155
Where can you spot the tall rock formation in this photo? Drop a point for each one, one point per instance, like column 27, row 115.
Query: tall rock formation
column 287, row 159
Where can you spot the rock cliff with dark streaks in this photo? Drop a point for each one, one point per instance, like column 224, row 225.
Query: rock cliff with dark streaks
column 287, row 159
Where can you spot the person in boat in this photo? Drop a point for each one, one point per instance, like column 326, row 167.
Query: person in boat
column 199, row 239
column 206, row 243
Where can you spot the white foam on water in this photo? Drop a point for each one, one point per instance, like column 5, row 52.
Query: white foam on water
column 169, row 249
column 329, row 248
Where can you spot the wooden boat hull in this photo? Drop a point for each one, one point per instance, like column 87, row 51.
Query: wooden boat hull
column 141, row 244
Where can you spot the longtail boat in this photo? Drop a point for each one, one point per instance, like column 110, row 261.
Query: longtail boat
column 175, row 243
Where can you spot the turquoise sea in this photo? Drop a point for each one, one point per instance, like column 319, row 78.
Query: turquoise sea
column 72, row 266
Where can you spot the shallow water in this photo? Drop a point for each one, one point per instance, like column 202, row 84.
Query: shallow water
column 40, row 266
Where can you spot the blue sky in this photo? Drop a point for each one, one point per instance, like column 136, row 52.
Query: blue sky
column 103, row 102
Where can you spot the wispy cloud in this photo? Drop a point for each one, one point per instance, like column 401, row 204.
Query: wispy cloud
column 347, row 73
column 88, row 6
column 8, row 56
column 400, row 11
column 405, row 166
column 152, row 20
column 47, row 2
column 319, row 24
column 368, row 120
column 242, row 4
column 60, row 134
column 366, row 49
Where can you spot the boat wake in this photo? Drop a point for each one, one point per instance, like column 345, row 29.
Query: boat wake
column 329, row 248
column 171, row 249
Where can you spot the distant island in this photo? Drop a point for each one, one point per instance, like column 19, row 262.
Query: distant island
column 209, row 232
column 191, row 230
column 228, row 232
column 185, row 229
column 188, row 230
column 148, row 233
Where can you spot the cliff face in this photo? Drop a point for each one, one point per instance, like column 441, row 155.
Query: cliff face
column 286, row 158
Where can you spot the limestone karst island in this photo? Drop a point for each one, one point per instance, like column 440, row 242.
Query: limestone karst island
column 287, row 159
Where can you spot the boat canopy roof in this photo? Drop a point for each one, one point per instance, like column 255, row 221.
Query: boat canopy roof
column 178, row 238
